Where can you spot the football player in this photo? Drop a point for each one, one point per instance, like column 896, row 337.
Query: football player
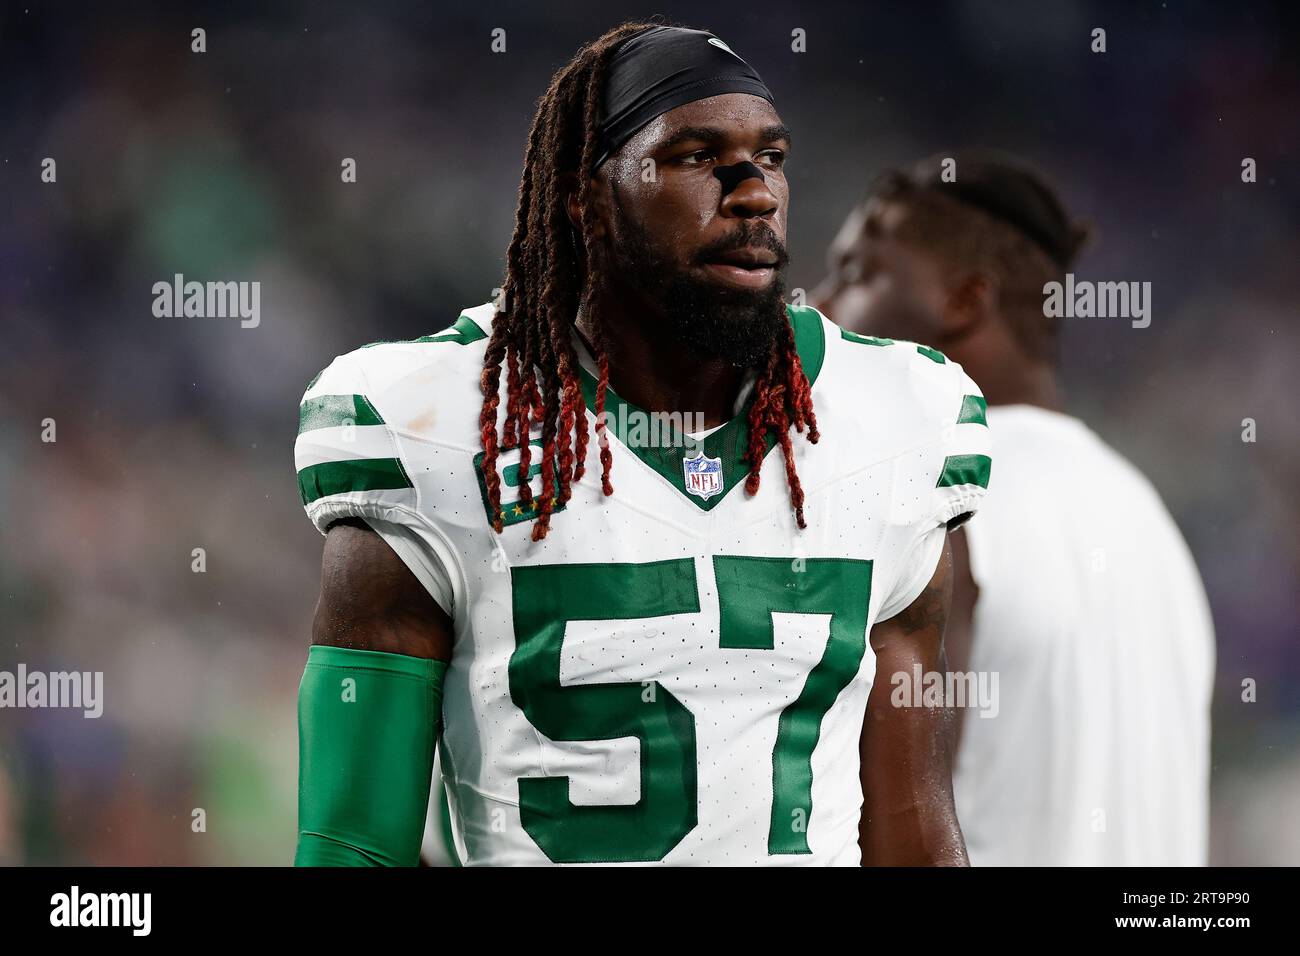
column 634, row 649
column 1075, row 586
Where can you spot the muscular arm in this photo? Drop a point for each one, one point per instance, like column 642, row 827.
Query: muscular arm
column 370, row 600
column 369, row 707
column 961, row 620
column 908, row 818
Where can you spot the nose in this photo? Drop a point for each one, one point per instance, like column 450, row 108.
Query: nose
column 749, row 199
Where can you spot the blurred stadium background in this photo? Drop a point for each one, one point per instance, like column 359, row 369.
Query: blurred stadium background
column 175, row 434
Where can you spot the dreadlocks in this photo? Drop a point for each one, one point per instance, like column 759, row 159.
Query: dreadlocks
column 549, row 277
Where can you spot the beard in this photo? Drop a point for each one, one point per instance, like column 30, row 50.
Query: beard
column 709, row 319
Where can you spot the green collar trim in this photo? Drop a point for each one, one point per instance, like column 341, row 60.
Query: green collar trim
column 728, row 443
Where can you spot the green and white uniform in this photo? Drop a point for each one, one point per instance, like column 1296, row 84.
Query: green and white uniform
column 676, row 673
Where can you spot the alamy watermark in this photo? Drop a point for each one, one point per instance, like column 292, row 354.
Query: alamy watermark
column 977, row 690
column 640, row 429
column 75, row 908
column 80, row 690
column 209, row 300
column 1103, row 300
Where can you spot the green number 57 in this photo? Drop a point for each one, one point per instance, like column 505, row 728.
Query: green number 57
column 546, row 597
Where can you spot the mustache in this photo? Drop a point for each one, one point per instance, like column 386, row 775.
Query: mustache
column 748, row 235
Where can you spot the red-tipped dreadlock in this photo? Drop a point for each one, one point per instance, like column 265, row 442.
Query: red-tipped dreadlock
column 548, row 277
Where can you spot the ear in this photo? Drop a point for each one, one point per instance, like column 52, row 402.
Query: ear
column 969, row 303
column 599, row 194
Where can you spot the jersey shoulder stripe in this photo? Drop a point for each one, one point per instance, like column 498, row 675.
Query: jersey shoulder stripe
column 965, row 470
column 348, row 455
column 944, row 409
column 328, row 411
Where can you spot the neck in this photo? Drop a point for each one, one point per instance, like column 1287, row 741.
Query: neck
column 1016, row 382
column 654, row 372
column 991, row 356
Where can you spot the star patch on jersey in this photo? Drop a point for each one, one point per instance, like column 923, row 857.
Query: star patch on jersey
column 514, row 510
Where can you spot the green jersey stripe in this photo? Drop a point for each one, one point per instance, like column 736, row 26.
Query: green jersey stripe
column 331, row 411
column 972, row 411
column 934, row 355
column 863, row 339
column 360, row 474
column 465, row 331
column 965, row 470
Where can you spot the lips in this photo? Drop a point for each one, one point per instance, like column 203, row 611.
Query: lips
column 751, row 269
column 744, row 259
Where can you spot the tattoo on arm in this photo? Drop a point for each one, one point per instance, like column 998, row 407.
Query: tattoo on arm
column 930, row 609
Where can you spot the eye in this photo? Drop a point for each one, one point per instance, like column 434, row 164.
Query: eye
column 695, row 158
column 773, row 158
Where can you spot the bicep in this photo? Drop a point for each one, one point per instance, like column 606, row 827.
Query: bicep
column 370, row 600
column 960, row 631
column 369, row 707
column 961, row 614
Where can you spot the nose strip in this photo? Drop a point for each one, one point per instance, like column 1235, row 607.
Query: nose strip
column 732, row 176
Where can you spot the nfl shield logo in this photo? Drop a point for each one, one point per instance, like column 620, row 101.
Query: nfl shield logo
column 703, row 475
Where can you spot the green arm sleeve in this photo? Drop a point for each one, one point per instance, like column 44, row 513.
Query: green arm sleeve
column 367, row 725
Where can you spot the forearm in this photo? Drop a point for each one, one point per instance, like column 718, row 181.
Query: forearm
column 367, row 724
column 908, row 816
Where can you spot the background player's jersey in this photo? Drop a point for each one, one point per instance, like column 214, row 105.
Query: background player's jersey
column 1092, row 612
column 676, row 673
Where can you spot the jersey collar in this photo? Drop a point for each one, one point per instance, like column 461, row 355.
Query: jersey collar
column 729, row 443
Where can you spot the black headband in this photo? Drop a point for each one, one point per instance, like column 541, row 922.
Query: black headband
column 662, row 68
column 1009, row 190
column 1024, row 209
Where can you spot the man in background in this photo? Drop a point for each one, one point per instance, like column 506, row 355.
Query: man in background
column 1075, row 587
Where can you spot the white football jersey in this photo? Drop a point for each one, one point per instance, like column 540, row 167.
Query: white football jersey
column 1093, row 616
column 438, row 848
column 676, row 673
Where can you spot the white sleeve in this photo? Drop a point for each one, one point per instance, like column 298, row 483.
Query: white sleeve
column 350, row 465
column 916, row 571
column 347, row 459
column 955, row 468
column 967, row 463
column 423, row 559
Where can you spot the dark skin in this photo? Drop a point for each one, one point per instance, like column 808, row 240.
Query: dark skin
column 683, row 209
column 370, row 600
column 908, row 816
column 882, row 282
